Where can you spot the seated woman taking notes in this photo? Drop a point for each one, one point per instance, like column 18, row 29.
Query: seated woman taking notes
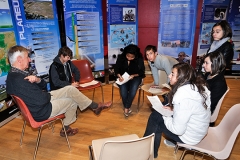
column 131, row 62
column 190, row 101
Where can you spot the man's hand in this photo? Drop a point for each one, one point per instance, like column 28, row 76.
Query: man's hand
column 33, row 79
column 75, row 84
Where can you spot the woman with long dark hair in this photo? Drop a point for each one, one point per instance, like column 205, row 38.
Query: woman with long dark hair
column 130, row 61
column 189, row 100
column 214, row 65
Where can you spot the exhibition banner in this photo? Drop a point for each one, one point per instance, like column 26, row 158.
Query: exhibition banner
column 122, row 26
column 84, row 31
column 177, row 27
column 7, row 40
column 37, row 29
column 234, row 21
column 212, row 12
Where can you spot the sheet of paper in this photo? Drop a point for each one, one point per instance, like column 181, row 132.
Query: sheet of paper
column 89, row 83
column 125, row 78
column 157, row 105
column 155, row 89
column 166, row 85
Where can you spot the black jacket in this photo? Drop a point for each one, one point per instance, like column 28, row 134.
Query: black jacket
column 227, row 50
column 136, row 66
column 217, row 86
column 37, row 100
column 57, row 76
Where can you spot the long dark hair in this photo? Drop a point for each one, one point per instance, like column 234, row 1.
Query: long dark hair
column 218, row 62
column 132, row 49
column 187, row 75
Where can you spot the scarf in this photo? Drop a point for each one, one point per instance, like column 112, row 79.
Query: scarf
column 216, row 44
column 13, row 69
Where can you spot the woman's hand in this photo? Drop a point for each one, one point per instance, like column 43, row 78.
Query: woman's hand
column 167, row 107
column 120, row 78
column 131, row 76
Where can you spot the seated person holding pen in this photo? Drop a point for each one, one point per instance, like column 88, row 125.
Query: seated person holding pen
column 131, row 62
column 190, row 102
column 62, row 69
column 41, row 104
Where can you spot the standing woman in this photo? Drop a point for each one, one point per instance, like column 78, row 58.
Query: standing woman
column 221, row 41
column 130, row 61
column 214, row 65
column 190, row 101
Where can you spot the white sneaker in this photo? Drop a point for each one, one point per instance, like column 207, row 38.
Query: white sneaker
column 169, row 143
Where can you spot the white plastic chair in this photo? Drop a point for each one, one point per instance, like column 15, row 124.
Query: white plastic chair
column 217, row 109
column 129, row 147
column 219, row 141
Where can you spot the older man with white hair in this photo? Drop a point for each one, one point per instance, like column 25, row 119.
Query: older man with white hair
column 43, row 104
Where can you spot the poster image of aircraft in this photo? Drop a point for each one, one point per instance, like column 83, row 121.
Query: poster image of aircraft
column 122, row 35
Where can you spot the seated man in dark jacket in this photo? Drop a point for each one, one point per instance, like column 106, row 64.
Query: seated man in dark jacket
column 40, row 103
column 62, row 69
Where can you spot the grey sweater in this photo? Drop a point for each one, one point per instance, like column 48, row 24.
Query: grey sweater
column 164, row 63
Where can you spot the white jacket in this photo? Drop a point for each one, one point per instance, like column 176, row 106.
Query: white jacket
column 190, row 119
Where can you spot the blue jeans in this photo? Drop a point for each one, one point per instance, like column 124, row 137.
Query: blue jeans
column 128, row 91
column 156, row 125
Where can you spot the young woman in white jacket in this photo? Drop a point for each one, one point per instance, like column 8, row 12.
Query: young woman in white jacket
column 189, row 100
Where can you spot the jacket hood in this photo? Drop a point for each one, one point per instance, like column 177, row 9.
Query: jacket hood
column 191, row 92
column 57, row 60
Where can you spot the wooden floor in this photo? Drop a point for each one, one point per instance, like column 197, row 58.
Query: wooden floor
column 110, row 123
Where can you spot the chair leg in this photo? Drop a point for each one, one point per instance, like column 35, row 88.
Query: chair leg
column 90, row 152
column 112, row 94
column 66, row 135
column 102, row 94
column 93, row 94
column 176, row 149
column 38, row 139
column 23, row 130
column 51, row 125
column 183, row 154
column 139, row 95
column 143, row 96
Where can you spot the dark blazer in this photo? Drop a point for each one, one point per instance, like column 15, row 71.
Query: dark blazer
column 217, row 86
column 227, row 50
column 135, row 66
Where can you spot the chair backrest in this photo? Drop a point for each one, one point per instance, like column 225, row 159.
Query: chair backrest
column 84, row 69
column 25, row 111
column 140, row 149
column 227, row 132
column 217, row 109
column 163, row 77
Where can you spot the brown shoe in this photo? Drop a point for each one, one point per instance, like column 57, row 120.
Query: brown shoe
column 102, row 106
column 69, row 132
